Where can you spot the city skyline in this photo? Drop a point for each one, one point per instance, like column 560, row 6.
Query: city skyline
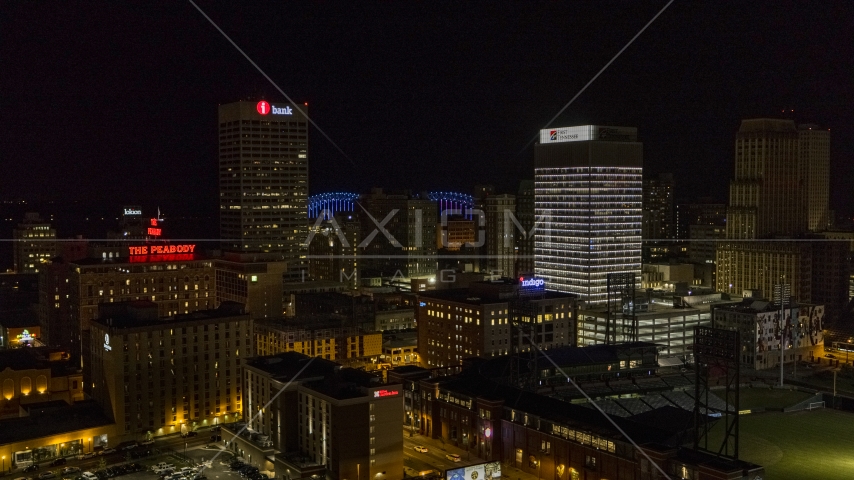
column 402, row 92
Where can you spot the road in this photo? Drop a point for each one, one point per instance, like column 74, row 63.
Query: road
column 435, row 458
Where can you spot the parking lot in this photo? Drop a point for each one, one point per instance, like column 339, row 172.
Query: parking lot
column 137, row 463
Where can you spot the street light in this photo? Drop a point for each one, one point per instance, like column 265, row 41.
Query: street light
column 4, row 464
column 847, row 350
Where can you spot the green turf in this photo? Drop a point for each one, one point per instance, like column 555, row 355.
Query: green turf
column 752, row 398
column 804, row 445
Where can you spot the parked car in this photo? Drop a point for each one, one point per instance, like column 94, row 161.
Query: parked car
column 148, row 442
column 161, row 468
column 128, row 445
column 30, row 468
column 453, row 457
column 21, row 478
column 89, row 476
column 107, row 451
column 248, row 470
column 67, row 470
column 47, row 475
column 421, row 449
column 58, row 461
column 86, row 455
column 189, row 434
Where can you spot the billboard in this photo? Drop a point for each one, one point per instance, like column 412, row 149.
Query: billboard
column 480, row 471
column 588, row 132
column 800, row 327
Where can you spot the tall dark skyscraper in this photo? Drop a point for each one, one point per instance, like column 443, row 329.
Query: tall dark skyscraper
column 263, row 179
column 588, row 190
column 658, row 218
column 526, row 217
column 409, row 249
column 501, row 234
column 814, row 151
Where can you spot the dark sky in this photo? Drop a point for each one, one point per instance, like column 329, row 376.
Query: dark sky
column 116, row 101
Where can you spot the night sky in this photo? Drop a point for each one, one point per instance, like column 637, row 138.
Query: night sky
column 116, row 102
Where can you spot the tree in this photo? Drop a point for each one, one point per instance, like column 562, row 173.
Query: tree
column 102, row 463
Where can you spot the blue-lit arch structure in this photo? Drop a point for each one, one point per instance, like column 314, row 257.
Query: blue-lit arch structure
column 332, row 203
column 452, row 201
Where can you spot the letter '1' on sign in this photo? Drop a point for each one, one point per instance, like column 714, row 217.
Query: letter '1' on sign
column 263, row 107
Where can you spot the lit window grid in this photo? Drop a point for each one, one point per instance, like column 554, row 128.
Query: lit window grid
column 592, row 227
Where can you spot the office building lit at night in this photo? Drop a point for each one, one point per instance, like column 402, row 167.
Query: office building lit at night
column 588, row 192
column 263, row 178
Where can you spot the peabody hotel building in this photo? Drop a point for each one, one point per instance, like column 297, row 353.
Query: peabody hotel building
column 177, row 282
column 168, row 375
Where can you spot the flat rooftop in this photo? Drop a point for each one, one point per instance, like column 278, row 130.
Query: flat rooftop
column 563, row 357
column 143, row 314
column 50, row 419
column 35, row 358
column 749, row 305
column 464, row 295
column 318, row 374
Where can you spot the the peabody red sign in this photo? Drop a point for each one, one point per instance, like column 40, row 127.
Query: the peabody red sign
column 161, row 249
column 386, row 393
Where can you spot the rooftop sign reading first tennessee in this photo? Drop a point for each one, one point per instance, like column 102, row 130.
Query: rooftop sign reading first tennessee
column 265, row 108
column 588, row 132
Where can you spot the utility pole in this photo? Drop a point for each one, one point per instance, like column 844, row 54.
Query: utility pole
column 781, row 294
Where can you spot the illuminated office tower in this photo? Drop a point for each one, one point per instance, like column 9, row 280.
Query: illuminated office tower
column 766, row 196
column 263, row 179
column 34, row 244
column 779, row 192
column 814, row 151
column 588, row 193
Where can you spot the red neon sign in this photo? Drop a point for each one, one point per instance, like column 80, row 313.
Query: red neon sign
column 154, row 232
column 153, row 222
column 386, row 393
column 171, row 257
column 161, row 249
column 263, row 107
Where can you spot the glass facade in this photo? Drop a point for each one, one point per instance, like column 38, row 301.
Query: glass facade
column 591, row 227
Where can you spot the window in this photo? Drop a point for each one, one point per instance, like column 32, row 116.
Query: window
column 589, row 461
